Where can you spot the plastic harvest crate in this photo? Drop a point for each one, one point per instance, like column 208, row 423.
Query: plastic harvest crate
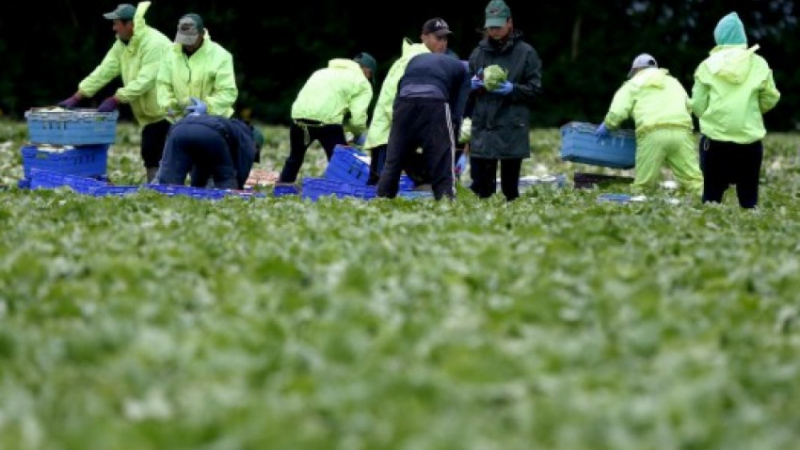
column 314, row 188
column 579, row 144
column 350, row 165
column 87, row 161
column 71, row 126
column 44, row 179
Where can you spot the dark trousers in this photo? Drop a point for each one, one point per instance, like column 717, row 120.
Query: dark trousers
column 378, row 160
column 727, row 163
column 154, row 137
column 203, row 151
column 301, row 136
column 484, row 176
column 425, row 123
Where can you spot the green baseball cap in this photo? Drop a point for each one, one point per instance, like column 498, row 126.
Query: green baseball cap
column 366, row 60
column 124, row 11
column 497, row 13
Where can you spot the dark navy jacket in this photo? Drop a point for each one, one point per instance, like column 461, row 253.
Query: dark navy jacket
column 436, row 75
column 239, row 136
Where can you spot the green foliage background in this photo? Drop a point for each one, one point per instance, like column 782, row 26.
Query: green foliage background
column 554, row 322
column 586, row 47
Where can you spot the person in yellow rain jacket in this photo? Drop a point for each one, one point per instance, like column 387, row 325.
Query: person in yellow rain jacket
column 197, row 74
column 341, row 89
column 136, row 57
column 659, row 106
column 732, row 89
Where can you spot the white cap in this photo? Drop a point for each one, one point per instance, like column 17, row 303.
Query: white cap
column 642, row 61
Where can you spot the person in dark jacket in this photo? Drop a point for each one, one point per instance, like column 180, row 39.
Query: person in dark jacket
column 431, row 96
column 210, row 147
column 501, row 118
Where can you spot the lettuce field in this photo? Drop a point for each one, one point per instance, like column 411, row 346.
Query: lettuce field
column 556, row 322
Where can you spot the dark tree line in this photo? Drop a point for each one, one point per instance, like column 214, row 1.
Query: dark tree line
column 46, row 47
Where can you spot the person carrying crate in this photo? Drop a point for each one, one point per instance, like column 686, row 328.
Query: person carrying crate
column 659, row 105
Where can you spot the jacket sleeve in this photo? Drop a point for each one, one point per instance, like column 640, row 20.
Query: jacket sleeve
column 458, row 100
column 621, row 107
column 224, row 93
column 700, row 93
column 145, row 80
column 166, row 93
column 530, row 85
column 108, row 69
column 768, row 95
column 359, row 104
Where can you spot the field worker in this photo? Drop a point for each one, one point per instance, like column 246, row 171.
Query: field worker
column 434, row 38
column 210, row 147
column 431, row 97
column 318, row 112
column 135, row 56
column 732, row 89
column 659, row 105
column 501, row 117
column 197, row 74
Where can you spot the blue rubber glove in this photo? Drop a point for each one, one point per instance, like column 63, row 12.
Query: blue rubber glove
column 70, row 102
column 601, row 131
column 461, row 165
column 504, row 89
column 197, row 107
column 108, row 105
column 360, row 140
column 476, row 82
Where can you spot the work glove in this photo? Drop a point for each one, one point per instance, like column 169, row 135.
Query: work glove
column 108, row 105
column 504, row 89
column 360, row 140
column 601, row 131
column 70, row 102
column 197, row 107
column 476, row 82
column 461, row 165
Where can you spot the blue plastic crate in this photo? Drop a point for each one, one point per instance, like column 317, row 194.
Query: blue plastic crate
column 579, row 144
column 283, row 190
column 43, row 179
column 113, row 191
column 79, row 126
column 314, row 188
column 87, row 161
column 24, row 183
column 351, row 165
column 172, row 190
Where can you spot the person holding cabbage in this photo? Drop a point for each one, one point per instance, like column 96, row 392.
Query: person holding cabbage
column 507, row 80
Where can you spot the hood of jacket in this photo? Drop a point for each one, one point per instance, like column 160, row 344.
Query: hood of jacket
column 731, row 62
column 411, row 49
column 346, row 64
column 650, row 77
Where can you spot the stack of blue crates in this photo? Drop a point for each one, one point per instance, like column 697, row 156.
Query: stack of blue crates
column 346, row 175
column 69, row 142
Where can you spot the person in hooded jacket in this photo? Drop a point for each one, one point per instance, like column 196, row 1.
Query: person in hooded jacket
column 197, row 75
column 501, row 117
column 342, row 89
column 135, row 57
column 659, row 105
column 733, row 88
column 210, row 147
column 434, row 38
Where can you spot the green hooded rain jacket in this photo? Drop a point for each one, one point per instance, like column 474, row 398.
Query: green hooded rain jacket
column 138, row 63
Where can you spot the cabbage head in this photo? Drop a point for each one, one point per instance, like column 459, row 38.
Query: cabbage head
column 494, row 76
